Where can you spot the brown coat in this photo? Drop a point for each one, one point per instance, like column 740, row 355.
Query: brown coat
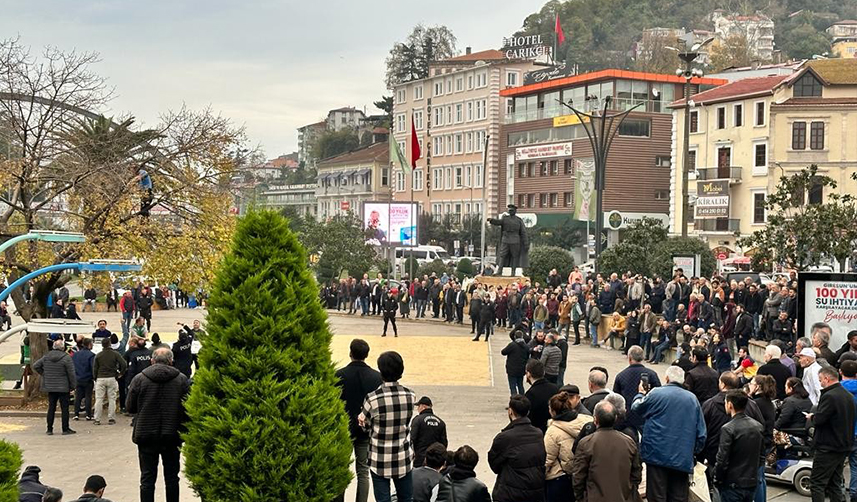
column 565, row 312
column 606, row 468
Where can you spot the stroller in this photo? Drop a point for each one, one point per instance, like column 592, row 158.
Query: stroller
column 793, row 464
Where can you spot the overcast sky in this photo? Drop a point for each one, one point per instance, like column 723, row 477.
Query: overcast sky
column 269, row 65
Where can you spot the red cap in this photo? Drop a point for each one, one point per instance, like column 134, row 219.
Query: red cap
column 746, row 363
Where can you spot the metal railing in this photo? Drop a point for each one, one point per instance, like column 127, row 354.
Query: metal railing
column 617, row 104
column 733, row 173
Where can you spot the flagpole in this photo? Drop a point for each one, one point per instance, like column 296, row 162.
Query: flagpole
column 483, row 246
column 555, row 36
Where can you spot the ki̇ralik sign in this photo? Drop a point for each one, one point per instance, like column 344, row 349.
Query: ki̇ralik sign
column 830, row 298
column 524, row 47
column 712, row 199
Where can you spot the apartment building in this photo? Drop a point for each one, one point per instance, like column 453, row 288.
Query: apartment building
column 457, row 111
column 348, row 180
column 752, row 132
column 300, row 198
column 307, row 135
column 543, row 144
column 756, row 29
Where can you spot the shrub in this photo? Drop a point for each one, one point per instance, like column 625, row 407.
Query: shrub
column 623, row 257
column 464, row 268
column 661, row 262
column 10, row 465
column 545, row 258
column 437, row 267
column 411, row 267
column 266, row 421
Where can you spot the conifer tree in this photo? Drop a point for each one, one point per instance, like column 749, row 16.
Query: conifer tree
column 10, row 464
column 266, row 421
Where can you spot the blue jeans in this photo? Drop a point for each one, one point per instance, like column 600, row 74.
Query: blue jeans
column 404, row 488
column 538, row 325
column 516, row 385
column 514, row 316
column 593, row 332
column 127, row 318
column 646, row 343
column 421, row 308
column 660, row 349
column 755, row 326
column 560, row 376
column 761, row 488
column 669, row 310
column 364, row 305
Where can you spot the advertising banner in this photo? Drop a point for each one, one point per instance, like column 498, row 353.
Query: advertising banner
column 542, row 75
column 584, row 190
column 391, row 223
column 543, row 151
column 712, row 199
column 829, row 298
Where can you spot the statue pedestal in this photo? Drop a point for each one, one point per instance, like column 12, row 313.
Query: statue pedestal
column 500, row 281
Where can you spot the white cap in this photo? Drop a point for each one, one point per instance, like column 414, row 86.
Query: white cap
column 808, row 352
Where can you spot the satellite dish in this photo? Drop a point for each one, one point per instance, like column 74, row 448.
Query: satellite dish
column 656, row 92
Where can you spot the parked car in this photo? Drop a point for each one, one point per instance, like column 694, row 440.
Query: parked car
column 423, row 254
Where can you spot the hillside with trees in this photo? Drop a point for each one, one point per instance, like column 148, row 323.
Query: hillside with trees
column 601, row 33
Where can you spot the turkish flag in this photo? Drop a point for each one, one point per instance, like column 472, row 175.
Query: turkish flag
column 416, row 154
column 560, row 36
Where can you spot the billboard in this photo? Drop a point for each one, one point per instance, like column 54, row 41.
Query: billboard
column 830, row 298
column 712, row 199
column 584, row 190
column 543, row 151
column 392, row 223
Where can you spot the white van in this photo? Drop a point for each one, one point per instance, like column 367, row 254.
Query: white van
column 423, row 254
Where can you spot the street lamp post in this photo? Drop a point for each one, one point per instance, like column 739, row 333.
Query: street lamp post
column 601, row 128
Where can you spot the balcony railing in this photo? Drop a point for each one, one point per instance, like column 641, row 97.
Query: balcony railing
column 733, row 173
column 720, row 225
column 618, row 104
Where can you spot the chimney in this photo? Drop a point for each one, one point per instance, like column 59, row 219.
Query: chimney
column 467, row 51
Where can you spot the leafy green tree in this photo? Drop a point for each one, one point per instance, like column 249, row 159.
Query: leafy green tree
column 545, row 258
column 340, row 244
column 409, row 60
column 624, row 256
column 564, row 236
column 10, row 465
column 804, row 41
column 646, row 233
column 661, row 261
column 800, row 235
column 437, row 267
column 411, row 267
column 333, row 143
column 266, row 421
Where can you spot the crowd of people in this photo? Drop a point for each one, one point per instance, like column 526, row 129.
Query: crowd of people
column 643, row 438
column 142, row 376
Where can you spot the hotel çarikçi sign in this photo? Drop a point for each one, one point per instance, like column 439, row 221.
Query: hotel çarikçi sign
column 524, row 47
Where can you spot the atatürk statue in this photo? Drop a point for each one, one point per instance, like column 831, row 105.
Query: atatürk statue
column 514, row 245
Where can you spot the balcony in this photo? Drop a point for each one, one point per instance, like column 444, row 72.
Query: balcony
column 617, row 104
column 732, row 173
column 719, row 225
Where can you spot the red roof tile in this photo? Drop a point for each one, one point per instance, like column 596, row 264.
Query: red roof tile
column 489, row 55
column 738, row 89
column 378, row 152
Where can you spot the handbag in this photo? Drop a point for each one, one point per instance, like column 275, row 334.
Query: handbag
column 699, row 491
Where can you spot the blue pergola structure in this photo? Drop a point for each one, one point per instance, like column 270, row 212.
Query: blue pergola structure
column 84, row 266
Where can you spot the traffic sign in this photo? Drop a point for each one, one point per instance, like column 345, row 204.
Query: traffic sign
column 345, row 205
column 722, row 256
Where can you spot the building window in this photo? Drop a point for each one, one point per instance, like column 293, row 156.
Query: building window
column 760, row 158
column 447, row 181
column 437, row 178
column 543, row 168
column 816, row 136
column 799, row 136
column 738, row 112
column 663, row 161
column 807, row 86
column 400, row 122
column 418, row 180
column 469, row 111
column 554, row 199
column 436, row 209
column 815, row 193
column 438, row 88
column 694, row 121
column 481, row 109
column 635, row 127
column 481, row 79
column 438, row 146
column 478, row 175
column 459, row 113
column 523, row 170
column 468, row 176
column 458, row 180
column 418, row 92
column 554, row 168
column 531, row 169
column 543, row 200
column 760, row 113
column 459, row 143
column 385, row 177
column 691, row 159
column 566, row 167
column 438, row 116
column 449, row 86
column 759, row 207
column 721, row 117
column 662, row 194
column 459, row 84
column 511, row 79
column 418, row 120
column 400, row 181
column 470, row 81
column 400, row 96
column 531, row 200
column 522, row 200
column 567, row 199
column 449, row 144
column 480, row 141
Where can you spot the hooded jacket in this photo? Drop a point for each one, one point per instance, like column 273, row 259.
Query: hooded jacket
column 57, row 370
column 30, row 489
column 559, row 440
column 157, row 396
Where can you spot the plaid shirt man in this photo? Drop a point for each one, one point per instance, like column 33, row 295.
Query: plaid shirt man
column 388, row 411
